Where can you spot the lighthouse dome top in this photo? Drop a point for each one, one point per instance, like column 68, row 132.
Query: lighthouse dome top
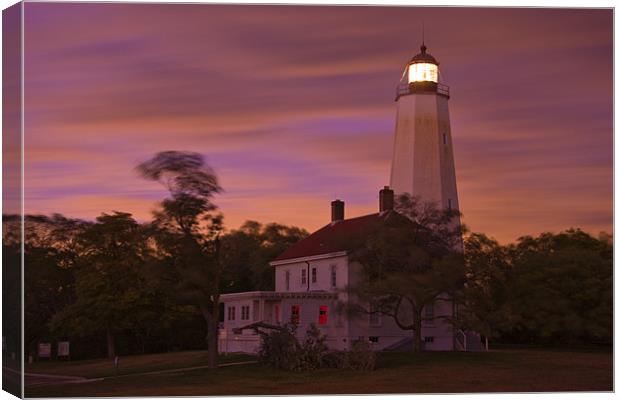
column 423, row 57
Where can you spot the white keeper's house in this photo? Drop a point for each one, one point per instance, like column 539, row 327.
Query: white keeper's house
column 312, row 276
column 311, row 280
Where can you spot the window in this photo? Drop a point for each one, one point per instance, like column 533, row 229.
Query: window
column 449, row 204
column 287, row 280
column 445, row 138
column 428, row 339
column 373, row 339
column 333, row 276
column 313, row 275
column 295, row 315
column 245, row 312
column 303, row 276
column 322, row 315
column 231, row 313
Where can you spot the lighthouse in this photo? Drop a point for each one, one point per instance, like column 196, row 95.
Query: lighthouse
column 423, row 160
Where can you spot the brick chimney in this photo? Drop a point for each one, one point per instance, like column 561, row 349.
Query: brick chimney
column 386, row 199
column 337, row 210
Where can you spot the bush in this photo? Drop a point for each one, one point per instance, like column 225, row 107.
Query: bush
column 313, row 350
column 360, row 358
column 281, row 349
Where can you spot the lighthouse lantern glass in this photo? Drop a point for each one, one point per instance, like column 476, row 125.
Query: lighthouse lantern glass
column 423, row 72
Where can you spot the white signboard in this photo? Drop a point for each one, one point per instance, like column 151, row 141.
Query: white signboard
column 63, row 349
column 45, row 350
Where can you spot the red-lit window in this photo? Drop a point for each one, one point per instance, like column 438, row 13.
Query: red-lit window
column 295, row 315
column 322, row 315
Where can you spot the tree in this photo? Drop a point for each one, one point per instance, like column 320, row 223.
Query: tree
column 409, row 261
column 109, row 291
column 562, row 287
column 187, row 232
column 50, row 253
column 484, row 301
column 247, row 251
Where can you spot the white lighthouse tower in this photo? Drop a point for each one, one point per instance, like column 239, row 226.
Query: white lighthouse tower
column 423, row 161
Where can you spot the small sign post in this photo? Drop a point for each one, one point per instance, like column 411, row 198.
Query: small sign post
column 45, row 350
column 63, row 349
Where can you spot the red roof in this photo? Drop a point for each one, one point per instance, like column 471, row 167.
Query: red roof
column 336, row 236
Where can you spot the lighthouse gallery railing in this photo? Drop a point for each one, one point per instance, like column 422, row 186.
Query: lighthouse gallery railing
column 403, row 89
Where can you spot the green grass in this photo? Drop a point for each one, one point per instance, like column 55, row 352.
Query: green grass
column 433, row 372
column 104, row 367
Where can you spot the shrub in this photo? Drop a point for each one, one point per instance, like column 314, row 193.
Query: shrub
column 361, row 357
column 313, row 350
column 280, row 348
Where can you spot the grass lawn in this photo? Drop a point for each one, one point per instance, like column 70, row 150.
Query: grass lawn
column 523, row 370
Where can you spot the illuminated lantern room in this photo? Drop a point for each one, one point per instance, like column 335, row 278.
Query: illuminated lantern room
column 421, row 75
column 423, row 68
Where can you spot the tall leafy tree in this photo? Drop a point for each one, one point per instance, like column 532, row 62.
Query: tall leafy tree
column 187, row 230
column 484, row 301
column 109, row 294
column 562, row 287
column 50, row 253
column 409, row 261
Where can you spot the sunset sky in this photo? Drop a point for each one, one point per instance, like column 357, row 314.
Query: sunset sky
column 294, row 106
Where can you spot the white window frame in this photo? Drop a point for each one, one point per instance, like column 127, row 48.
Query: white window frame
column 245, row 313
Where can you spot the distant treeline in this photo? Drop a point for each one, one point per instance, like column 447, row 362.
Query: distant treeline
column 554, row 289
column 87, row 281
